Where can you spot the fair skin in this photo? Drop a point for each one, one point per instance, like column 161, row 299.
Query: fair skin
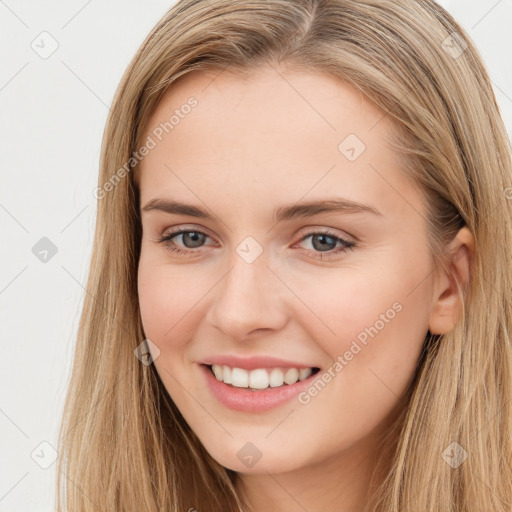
column 248, row 147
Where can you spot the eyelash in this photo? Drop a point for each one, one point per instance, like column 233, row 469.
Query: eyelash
column 322, row 255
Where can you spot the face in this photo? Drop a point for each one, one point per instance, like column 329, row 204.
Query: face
column 248, row 276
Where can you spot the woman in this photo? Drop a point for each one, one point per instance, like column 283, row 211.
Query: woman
column 223, row 361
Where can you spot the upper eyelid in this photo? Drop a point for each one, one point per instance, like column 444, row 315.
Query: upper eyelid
column 181, row 230
column 304, row 230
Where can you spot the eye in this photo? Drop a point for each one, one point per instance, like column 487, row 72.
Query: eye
column 192, row 239
column 324, row 244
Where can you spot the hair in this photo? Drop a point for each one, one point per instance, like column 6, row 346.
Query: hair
column 123, row 444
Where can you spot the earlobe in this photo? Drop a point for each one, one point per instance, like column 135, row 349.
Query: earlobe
column 447, row 304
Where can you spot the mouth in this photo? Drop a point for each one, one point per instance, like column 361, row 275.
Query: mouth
column 260, row 379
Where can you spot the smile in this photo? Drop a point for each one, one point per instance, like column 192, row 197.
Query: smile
column 260, row 378
column 257, row 390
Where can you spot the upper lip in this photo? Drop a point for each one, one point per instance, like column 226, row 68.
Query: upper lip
column 253, row 362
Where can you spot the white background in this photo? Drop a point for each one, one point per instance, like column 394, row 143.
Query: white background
column 53, row 114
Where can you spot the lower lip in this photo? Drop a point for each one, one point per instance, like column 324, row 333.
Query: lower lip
column 243, row 399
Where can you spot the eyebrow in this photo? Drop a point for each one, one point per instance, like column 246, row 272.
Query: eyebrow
column 298, row 210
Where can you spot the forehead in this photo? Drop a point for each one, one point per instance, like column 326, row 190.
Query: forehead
column 270, row 99
column 271, row 133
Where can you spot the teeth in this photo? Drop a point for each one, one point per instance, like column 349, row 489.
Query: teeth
column 258, row 379
column 239, row 378
column 304, row 373
column 217, row 370
column 226, row 374
column 276, row 378
column 291, row 376
column 261, row 378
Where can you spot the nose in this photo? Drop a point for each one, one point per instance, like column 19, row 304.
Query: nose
column 248, row 299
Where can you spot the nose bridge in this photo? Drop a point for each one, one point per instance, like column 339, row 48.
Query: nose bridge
column 247, row 298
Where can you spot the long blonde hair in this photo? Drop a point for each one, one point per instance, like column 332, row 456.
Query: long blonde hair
column 123, row 444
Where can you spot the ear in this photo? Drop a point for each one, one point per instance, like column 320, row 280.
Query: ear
column 446, row 304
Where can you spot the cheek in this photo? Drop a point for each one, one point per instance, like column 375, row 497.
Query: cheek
column 372, row 319
column 344, row 303
column 379, row 331
column 169, row 300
